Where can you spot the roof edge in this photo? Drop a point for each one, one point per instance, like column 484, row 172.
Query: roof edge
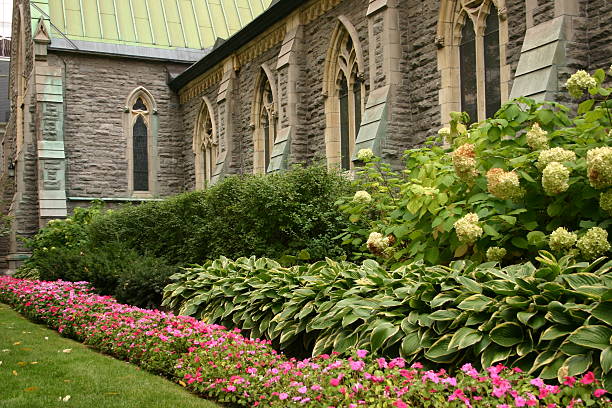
column 277, row 11
column 182, row 55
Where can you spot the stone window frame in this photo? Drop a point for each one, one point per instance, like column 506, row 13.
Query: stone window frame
column 451, row 20
column 150, row 117
column 258, row 110
column 21, row 80
column 344, row 29
column 205, row 145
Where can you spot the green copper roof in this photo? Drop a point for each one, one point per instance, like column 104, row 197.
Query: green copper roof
column 192, row 24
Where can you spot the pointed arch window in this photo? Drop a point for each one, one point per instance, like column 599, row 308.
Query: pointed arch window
column 141, row 130
column 205, row 146
column 265, row 122
column 345, row 91
column 473, row 36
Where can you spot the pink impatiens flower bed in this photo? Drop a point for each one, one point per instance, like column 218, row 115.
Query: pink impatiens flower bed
column 223, row 365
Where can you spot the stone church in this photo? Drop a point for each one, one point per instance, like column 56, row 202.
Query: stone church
column 136, row 100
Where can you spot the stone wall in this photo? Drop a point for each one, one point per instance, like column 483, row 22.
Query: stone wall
column 95, row 93
column 599, row 33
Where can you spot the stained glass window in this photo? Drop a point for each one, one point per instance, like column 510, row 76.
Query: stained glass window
column 492, row 63
column 267, row 119
column 139, row 105
column 344, row 123
column 141, row 155
column 467, row 52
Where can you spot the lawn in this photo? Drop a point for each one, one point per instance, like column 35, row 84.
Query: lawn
column 39, row 368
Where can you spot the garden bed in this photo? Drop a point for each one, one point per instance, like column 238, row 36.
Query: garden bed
column 228, row 367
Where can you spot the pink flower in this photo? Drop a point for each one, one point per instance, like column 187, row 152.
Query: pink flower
column 400, row 404
column 334, row 382
column 588, row 378
column 283, row 396
column 600, row 392
column 303, row 390
column 362, row 353
column 538, row 382
column 356, row 365
column 570, row 381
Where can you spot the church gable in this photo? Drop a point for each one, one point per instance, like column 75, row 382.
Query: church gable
column 192, row 24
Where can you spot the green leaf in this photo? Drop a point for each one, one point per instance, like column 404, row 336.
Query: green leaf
column 469, row 284
column 440, row 351
column 475, row 303
column 585, row 106
column 545, row 116
column 597, row 337
column 553, row 332
column 577, row 364
column 411, row 344
column 525, row 316
column 493, row 354
column 605, row 359
column 603, row 312
column 536, row 238
column 576, row 280
column 543, row 358
column 489, row 230
column 509, row 219
column 464, row 337
column 443, row 315
column 383, row 332
column 520, row 242
column 507, row 334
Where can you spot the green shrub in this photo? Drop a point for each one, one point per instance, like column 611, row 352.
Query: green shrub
column 286, row 215
column 529, row 179
column 551, row 320
column 142, row 281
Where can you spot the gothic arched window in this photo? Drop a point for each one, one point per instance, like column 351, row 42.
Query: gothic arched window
column 205, row 146
column 345, row 91
column 472, row 36
column 265, row 122
column 141, row 129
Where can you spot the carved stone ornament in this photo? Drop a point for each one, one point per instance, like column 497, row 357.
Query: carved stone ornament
column 439, row 41
column 252, row 126
column 361, row 76
column 502, row 13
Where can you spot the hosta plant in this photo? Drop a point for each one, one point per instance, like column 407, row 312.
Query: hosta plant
column 552, row 320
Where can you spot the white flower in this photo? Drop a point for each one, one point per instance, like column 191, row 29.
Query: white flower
column 599, row 167
column 594, row 243
column 504, row 184
column 561, row 239
column 537, row 138
column 467, row 228
column 444, row 132
column 365, row 154
column 464, row 162
column 556, row 154
column 377, row 243
column 555, row 178
column 605, row 201
column 496, row 254
column 578, row 82
column 362, row 197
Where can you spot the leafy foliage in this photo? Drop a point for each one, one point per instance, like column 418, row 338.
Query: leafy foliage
column 288, row 215
column 551, row 320
column 497, row 169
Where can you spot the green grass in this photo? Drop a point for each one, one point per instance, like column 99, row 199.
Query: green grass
column 38, row 366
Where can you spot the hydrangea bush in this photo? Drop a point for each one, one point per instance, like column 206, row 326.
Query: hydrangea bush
column 230, row 368
column 508, row 182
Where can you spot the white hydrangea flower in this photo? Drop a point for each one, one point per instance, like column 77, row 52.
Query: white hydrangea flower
column 555, row 178
column 537, row 138
column 594, row 243
column 504, row 184
column 365, row 154
column 578, row 82
column 556, row 154
column 599, row 167
column 561, row 239
column 464, row 162
column 496, row 254
column 461, row 129
column 444, row 132
column 467, row 228
column 605, row 201
column 378, row 243
column 362, row 197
